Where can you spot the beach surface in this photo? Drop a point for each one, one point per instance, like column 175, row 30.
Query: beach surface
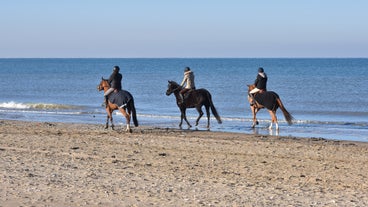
column 61, row 164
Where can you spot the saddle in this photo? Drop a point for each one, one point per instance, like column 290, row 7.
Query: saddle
column 254, row 100
column 187, row 92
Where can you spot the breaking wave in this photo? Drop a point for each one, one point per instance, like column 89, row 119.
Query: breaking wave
column 39, row 106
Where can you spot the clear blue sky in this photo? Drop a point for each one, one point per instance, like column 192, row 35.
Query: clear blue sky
column 190, row 28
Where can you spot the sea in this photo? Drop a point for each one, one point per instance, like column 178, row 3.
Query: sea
column 328, row 97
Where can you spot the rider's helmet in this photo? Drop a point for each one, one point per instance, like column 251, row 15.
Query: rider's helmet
column 186, row 69
column 116, row 68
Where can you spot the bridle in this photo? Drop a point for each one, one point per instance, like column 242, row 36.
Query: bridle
column 178, row 88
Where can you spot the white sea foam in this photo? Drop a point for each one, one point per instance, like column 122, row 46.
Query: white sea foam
column 16, row 105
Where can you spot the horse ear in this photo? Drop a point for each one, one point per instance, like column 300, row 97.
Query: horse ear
column 101, row 77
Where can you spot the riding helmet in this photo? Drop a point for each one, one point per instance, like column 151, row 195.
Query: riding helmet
column 116, row 68
column 260, row 70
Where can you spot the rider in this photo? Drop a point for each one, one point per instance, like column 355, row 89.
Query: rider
column 188, row 81
column 260, row 83
column 115, row 82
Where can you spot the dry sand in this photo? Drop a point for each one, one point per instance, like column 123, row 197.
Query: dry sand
column 58, row 164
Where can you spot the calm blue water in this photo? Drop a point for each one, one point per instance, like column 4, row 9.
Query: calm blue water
column 328, row 97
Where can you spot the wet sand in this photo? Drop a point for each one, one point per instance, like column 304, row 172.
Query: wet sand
column 59, row 164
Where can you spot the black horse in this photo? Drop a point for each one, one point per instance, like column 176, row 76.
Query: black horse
column 194, row 99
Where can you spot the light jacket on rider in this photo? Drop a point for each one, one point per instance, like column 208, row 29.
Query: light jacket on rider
column 188, row 80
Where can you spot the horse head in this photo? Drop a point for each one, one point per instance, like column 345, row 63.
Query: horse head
column 251, row 87
column 172, row 87
column 103, row 84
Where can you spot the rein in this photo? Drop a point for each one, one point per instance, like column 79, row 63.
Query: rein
column 177, row 89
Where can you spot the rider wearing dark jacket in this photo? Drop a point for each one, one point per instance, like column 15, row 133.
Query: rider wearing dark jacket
column 261, row 80
column 115, row 79
column 260, row 83
column 115, row 82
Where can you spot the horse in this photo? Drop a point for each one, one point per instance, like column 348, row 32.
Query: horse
column 195, row 99
column 271, row 101
column 127, row 110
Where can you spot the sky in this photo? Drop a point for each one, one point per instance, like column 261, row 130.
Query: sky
column 184, row 29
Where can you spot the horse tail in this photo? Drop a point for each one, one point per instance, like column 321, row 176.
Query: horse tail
column 134, row 113
column 213, row 109
column 289, row 118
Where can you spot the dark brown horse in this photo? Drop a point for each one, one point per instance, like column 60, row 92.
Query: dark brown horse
column 271, row 101
column 195, row 99
column 128, row 110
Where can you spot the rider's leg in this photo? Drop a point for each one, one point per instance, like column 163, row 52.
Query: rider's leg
column 251, row 95
column 182, row 95
column 106, row 94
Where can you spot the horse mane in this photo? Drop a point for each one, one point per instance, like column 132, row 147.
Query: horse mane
column 175, row 84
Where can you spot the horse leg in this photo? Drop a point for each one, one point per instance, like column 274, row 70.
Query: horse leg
column 109, row 116
column 273, row 120
column 184, row 116
column 112, row 123
column 208, row 116
column 107, row 121
column 181, row 118
column 254, row 112
column 199, row 109
column 127, row 119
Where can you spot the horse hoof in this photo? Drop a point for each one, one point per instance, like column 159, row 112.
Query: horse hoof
column 257, row 122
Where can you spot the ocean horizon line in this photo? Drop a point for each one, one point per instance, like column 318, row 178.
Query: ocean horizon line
column 183, row 57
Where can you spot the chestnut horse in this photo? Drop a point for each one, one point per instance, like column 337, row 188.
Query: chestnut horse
column 128, row 110
column 271, row 101
column 196, row 99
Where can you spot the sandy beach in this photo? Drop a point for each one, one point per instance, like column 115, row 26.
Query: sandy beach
column 59, row 164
